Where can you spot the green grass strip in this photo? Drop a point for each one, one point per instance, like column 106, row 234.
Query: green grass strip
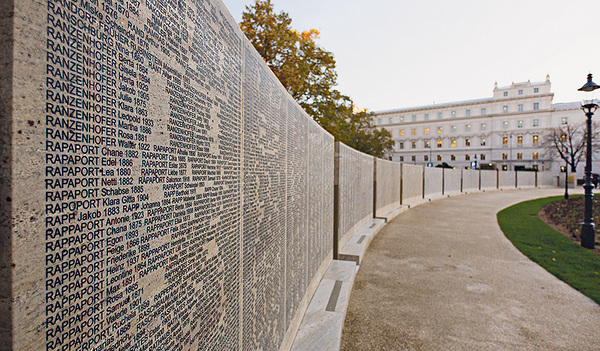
column 556, row 253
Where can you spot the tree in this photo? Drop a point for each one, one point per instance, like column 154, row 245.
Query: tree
column 568, row 142
column 307, row 72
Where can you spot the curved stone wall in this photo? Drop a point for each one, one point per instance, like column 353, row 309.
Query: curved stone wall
column 168, row 192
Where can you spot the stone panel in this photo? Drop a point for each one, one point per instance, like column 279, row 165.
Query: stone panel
column 433, row 182
column 452, row 180
column 388, row 184
column 298, row 193
column 525, row 179
column 547, row 179
column 356, row 190
column 506, row 180
column 489, row 179
column 412, row 183
column 470, row 180
column 167, row 192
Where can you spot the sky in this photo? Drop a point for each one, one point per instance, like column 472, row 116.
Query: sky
column 395, row 54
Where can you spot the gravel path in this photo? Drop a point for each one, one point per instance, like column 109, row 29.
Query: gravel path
column 442, row 276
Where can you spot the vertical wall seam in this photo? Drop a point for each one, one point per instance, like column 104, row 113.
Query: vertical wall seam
column 241, row 236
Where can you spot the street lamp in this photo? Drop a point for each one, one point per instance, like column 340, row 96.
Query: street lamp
column 587, row 227
column 566, row 175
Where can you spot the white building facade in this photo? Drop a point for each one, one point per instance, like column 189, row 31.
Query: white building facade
column 503, row 132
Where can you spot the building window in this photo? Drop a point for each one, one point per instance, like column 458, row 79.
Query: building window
column 401, row 145
column 414, row 144
column 401, row 119
column 535, row 139
column 452, row 157
column 536, row 105
column 427, row 116
column 439, row 115
column 519, row 156
column 467, row 157
column 379, row 121
column 483, row 125
column 505, row 156
column 483, row 111
column 467, row 128
column 453, row 143
column 390, row 120
column 505, row 141
column 439, row 143
column 401, row 158
column 564, row 120
column 467, row 142
column 482, row 142
column 453, row 129
column 520, row 124
column 563, row 138
column 439, row 157
column 426, row 158
column 534, row 156
column 413, row 158
column 401, row 132
column 505, row 124
column 425, row 130
column 453, row 114
column 414, row 118
column 506, row 93
column 536, row 90
column 426, row 144
column 439, row 130
column 505, row 109
column 413, row 131
column 520, row 92
column 468, row 113
column 520, row 140
column 536, row 122
column 482, row 157
column 520, row 107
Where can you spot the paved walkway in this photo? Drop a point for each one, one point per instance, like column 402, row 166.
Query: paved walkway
column 442, row 276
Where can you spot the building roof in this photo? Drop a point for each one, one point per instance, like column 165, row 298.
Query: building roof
column 567, row 105
column 433, row 106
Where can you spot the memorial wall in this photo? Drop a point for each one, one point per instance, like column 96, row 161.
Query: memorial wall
column 165, row 191
column 433, row 182
column 388, row 176
column 355, row 177
column 160, row 188
column 412, row 183
column 489, row 179
column 470, row 180
column 452, row 180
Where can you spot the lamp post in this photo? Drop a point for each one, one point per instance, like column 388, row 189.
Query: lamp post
column 587, row 227
column 566, row 177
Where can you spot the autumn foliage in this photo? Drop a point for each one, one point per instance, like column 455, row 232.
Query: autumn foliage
column 307, row 71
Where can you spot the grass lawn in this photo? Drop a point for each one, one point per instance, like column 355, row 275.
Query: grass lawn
column 556, row 253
